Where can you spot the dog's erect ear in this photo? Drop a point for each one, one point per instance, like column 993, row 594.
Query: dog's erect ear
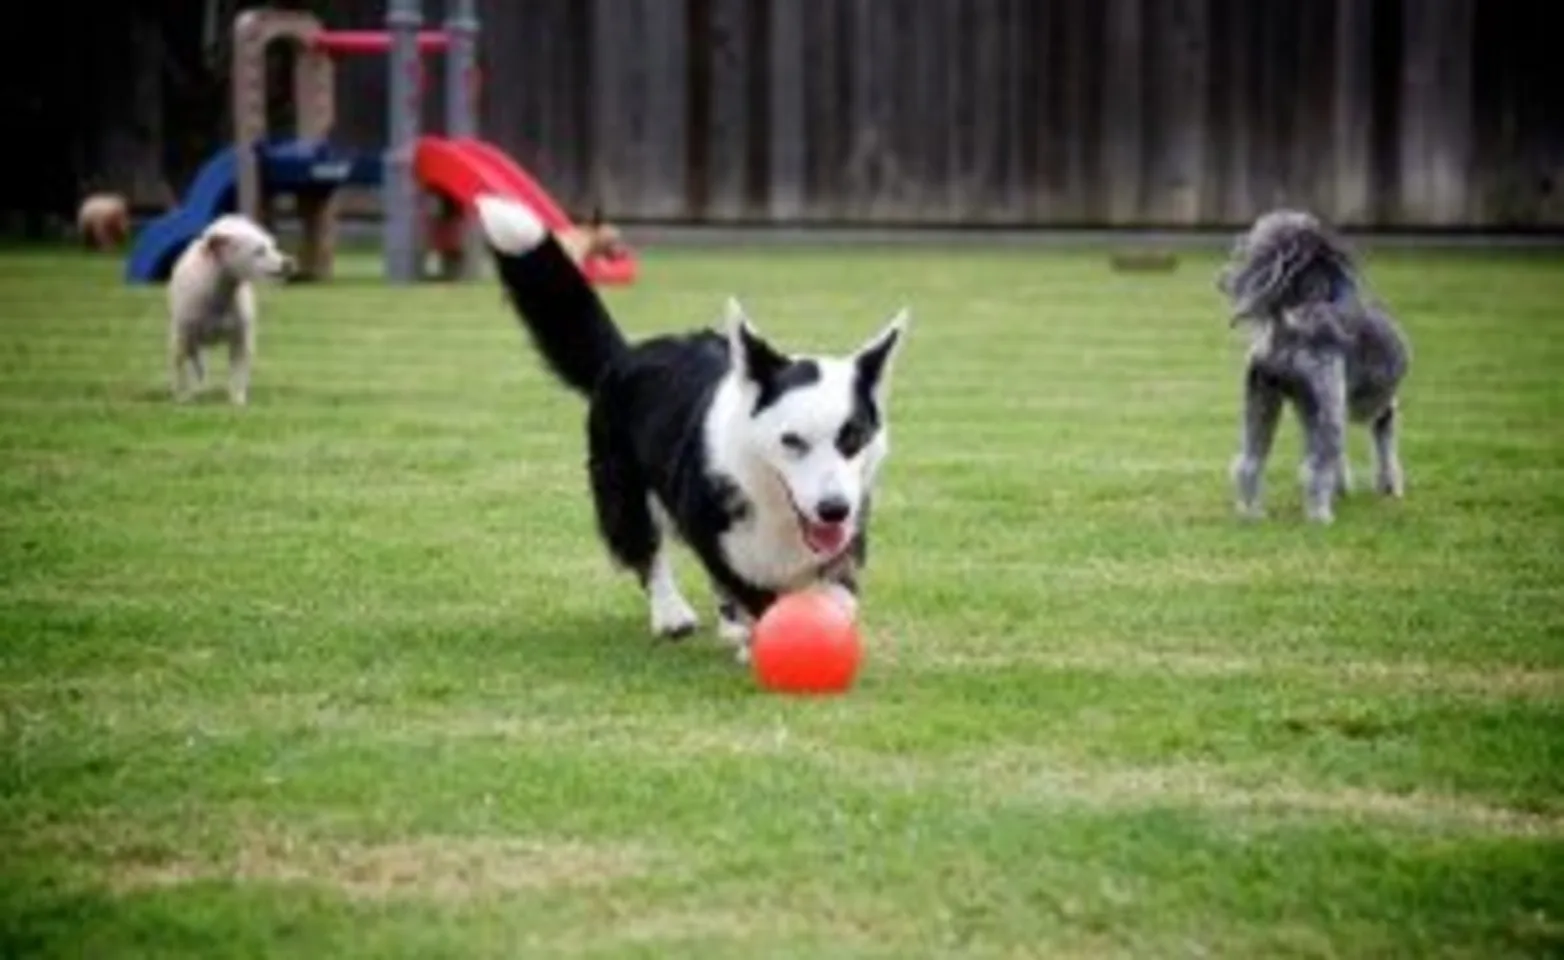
column 873, row 359
column 756, row 360
column 215, row 245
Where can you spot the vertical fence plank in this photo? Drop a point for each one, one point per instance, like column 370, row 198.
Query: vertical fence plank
column 1244, row 111
column 1352, row 116
column 821, row 106
column 612, row 107
column 990, row 95
column 1123, row 110
column 788, row 147
column 665, row 108
column 1177, row 133
column 1436, row 119
column 733, row 73
column 1079, row 123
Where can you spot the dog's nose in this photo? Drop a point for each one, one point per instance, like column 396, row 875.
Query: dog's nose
column 833, row 509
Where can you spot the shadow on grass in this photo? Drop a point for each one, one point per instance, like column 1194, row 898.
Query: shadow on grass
column 610, row 653
column 308, row 397
column 199, row 920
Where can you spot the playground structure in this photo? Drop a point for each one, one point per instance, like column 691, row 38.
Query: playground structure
column 257, row 169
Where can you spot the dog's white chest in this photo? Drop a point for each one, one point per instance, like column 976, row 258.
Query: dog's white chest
column 767, row 550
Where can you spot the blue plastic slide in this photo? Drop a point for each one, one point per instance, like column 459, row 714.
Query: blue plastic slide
column 286, row 166
column 161, row 241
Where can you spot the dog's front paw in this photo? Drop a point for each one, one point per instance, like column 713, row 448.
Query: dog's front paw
column 847, row 599
column 1343, row 482
column 1390, row 485
column 1249, row 511
column 673, row 618
column 733, row 631
column 1320, row 515
column 675, row 629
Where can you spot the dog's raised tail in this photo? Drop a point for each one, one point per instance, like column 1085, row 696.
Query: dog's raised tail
column 568, row 323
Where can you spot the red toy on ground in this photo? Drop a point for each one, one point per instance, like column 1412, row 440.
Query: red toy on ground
column 806, row 643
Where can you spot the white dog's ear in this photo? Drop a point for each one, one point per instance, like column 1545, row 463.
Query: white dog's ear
column 755, row 359
column 873, row 359
column 215, row 245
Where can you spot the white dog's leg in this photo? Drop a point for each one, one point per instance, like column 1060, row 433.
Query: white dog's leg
column 733, row 626
column 241, row 349
column 238, row 372
column 672, row 615
column 179, row 355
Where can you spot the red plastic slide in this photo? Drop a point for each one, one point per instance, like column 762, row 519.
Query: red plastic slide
column 464, row 168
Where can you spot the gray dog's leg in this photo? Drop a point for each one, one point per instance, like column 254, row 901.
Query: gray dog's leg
column 1324, row 417
column 1387, row 459
column 1262, row 410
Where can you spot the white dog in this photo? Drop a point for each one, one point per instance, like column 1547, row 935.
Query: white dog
column 211, row 300
column 103, row 220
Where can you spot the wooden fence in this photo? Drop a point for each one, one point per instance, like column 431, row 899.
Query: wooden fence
column 1387, row 113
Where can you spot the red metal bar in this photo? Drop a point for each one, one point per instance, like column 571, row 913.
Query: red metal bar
column 375, row 41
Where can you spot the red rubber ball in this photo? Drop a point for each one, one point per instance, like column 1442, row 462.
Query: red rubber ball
column 806, row 643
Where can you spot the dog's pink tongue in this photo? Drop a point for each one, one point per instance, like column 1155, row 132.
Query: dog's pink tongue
column 827, row 537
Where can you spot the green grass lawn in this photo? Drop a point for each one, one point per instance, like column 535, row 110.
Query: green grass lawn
column 346, row 673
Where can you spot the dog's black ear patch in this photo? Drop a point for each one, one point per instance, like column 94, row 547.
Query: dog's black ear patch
column 762, row 362
column 861, row 425
column 792, row 375
column 863, row 421
column 871, row 362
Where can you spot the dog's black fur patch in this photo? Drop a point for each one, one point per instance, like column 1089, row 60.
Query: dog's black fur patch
column 776, row 382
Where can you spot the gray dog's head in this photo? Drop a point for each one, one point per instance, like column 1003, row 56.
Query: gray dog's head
column 1286, row 260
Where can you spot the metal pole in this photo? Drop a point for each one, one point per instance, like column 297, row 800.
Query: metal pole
column 461, row 114
column 400, row 193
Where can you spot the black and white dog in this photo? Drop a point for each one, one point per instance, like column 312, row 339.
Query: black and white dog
column 762, row 463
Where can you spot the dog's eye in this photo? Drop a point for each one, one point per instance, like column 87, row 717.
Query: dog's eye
column 853, row 437
column 795, row 444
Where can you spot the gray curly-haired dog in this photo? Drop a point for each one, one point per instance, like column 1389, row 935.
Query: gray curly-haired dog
column 1318, row 343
